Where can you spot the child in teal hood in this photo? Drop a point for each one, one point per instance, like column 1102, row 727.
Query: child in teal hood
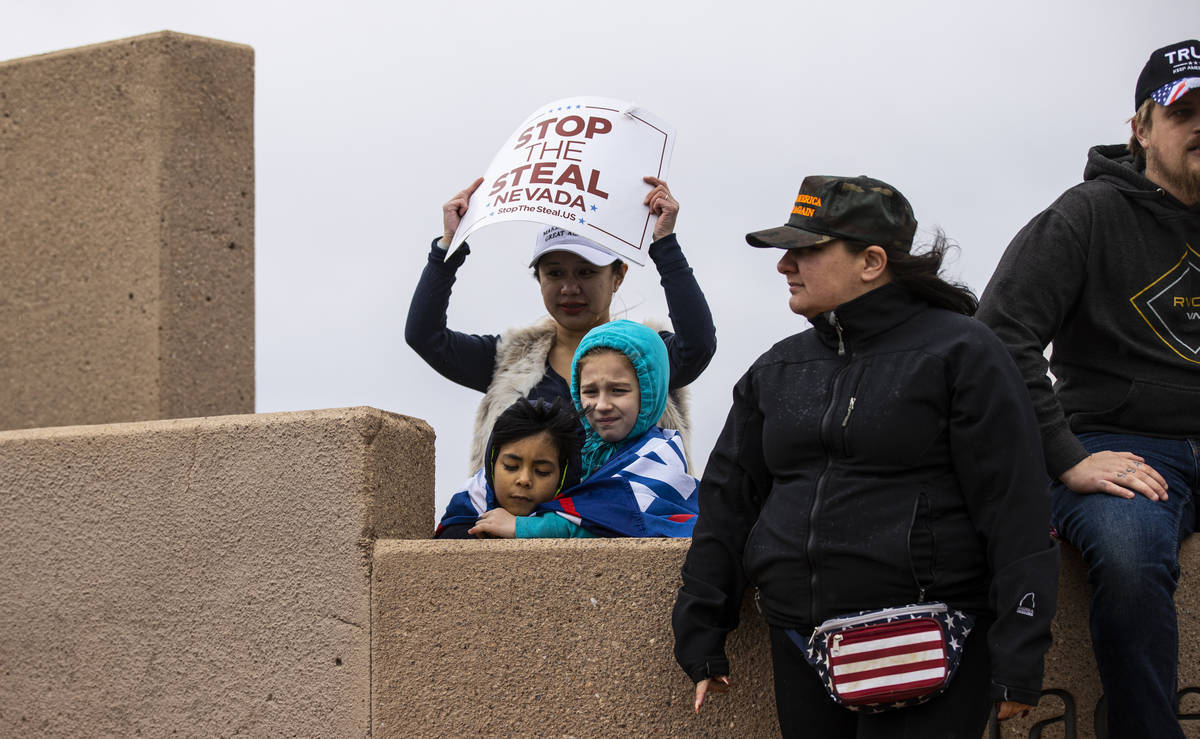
column 633, row 345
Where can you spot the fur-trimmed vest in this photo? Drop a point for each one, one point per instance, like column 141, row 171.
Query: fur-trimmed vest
column 521, row 364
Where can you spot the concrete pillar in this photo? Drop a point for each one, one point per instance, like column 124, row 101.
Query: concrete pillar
column 206, row 577
column 127, row 247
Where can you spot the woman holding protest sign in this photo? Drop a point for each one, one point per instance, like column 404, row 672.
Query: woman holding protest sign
column 880, row 482
column 578, row 278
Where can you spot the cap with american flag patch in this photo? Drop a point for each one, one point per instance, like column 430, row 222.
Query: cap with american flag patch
column 1169, row 74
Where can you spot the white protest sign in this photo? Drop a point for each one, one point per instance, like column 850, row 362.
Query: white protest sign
column 577, row 164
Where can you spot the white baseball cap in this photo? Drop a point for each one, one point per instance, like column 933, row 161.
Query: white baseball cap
column 560, row 239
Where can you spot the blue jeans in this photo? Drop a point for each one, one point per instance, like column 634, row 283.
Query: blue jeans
column 1131, row 547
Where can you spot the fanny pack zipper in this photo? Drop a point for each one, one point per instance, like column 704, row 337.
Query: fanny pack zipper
column 838, row 623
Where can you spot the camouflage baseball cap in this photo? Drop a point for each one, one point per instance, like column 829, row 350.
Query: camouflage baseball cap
column 854, row 208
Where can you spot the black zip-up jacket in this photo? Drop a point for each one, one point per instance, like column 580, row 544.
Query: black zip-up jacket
column 1108, row 273
column 890, row 449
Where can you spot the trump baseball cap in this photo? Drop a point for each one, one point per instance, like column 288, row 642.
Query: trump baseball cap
column 855, row 208
column 1169, row 74
column 560, row 239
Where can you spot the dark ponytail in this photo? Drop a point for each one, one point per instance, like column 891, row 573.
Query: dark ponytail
column 921, row 274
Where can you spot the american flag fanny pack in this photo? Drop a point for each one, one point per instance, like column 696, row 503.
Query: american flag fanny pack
column 887, row 658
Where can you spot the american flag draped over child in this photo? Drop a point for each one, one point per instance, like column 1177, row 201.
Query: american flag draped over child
column 643, row 490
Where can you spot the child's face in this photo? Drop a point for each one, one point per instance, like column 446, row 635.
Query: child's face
column 608, row 384
column 526, row 473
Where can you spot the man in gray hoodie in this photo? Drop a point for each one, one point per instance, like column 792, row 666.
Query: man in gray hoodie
column 1110, row 273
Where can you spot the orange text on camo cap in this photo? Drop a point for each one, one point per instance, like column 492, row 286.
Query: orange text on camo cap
column 802, row 201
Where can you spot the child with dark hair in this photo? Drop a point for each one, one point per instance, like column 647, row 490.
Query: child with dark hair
column 531, row 457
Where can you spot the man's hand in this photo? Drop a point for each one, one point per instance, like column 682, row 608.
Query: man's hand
column 718, row 684
column 496, row 522
column 455, row 208
column 663, row 205
column 1122, row 474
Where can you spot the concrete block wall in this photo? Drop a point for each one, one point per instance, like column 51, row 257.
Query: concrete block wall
column 127, row 198
column 547, row 638
column 271, row 575
column 573, row 638
column 207, row 577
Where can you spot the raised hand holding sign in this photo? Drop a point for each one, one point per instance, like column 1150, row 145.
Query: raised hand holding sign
column 579, row 163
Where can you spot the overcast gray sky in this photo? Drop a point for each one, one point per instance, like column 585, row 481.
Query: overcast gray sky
column 370, row 114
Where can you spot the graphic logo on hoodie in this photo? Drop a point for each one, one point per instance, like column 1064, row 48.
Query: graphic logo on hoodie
column 1171, row 305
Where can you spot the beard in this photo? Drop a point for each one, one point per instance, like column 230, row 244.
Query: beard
column 1177, row 174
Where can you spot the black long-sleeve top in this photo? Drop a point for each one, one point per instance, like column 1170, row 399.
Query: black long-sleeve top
column 470, row 359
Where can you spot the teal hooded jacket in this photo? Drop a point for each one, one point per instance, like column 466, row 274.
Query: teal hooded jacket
column 648, row 354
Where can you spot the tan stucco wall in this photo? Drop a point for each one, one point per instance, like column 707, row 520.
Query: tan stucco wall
column 573, row 638
column 127, row 200
column 247, row 575
column 548, row 638
column 209, row 577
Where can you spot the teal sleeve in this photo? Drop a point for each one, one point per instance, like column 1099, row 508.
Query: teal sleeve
column 550, row 526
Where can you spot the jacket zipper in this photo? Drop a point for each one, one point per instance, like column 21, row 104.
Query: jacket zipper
column 827, row 418
column 846, row 423
column 837, row 326
column 852, row 390
column 912, row 562
column 812, row 540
